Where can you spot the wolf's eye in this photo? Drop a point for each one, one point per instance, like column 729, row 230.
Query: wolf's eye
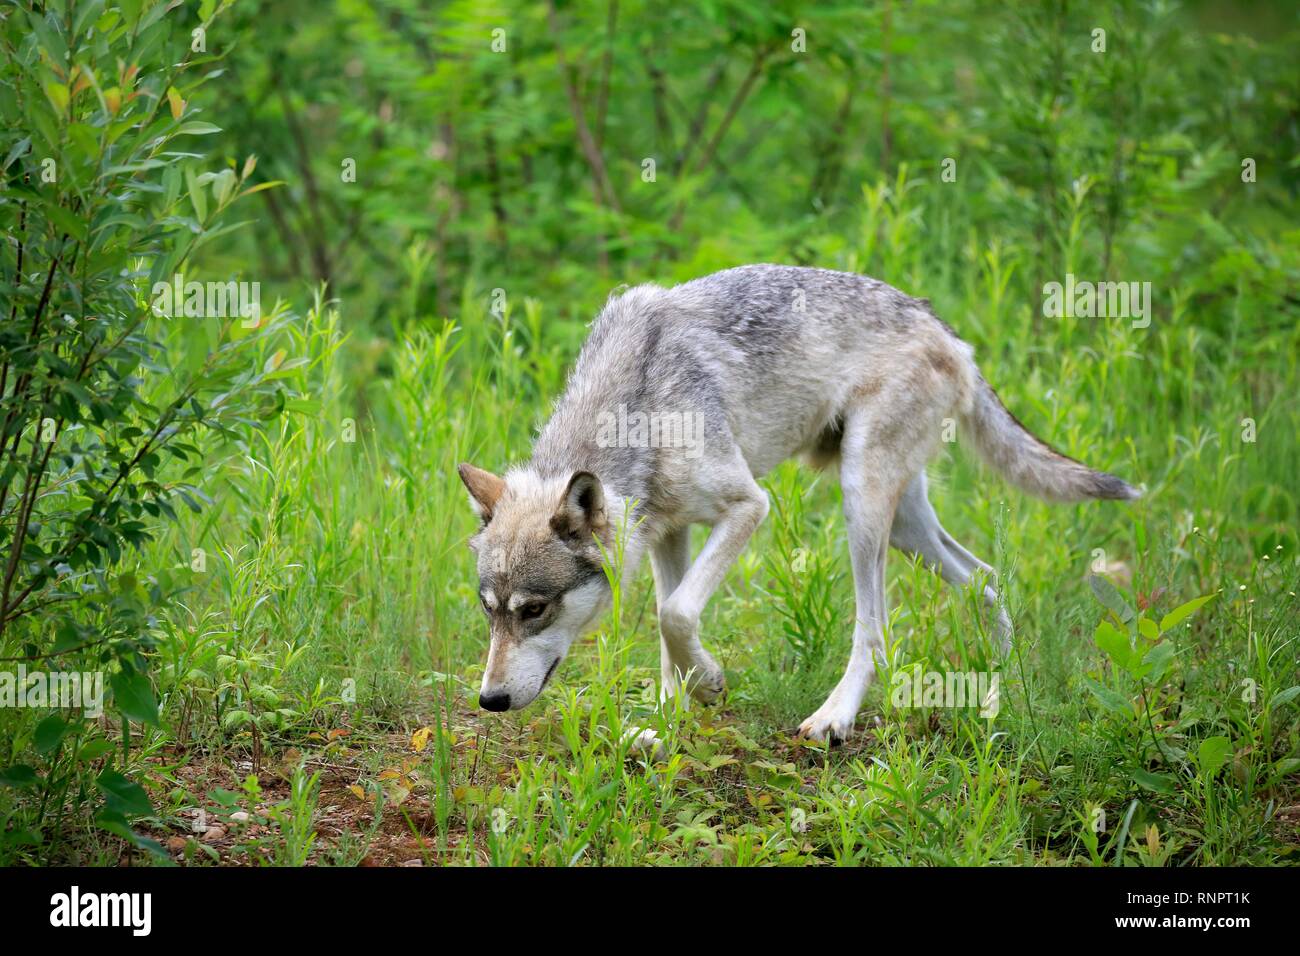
column 532, row 610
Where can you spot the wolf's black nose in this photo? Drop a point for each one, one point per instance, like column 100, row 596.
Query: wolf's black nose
column 496, row 701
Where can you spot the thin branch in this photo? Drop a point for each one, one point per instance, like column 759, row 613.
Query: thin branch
column 68, row 650
column 663, row 125
column 830, row 162
column 886, row 135
column 494, row 188
column 722, row 168
column 737, row 101
column 607, row 67
column 701, row 114
column 315, row 240
column 282, row 227
column 602, row 187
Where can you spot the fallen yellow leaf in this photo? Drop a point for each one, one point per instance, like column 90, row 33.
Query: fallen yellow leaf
column 420, row 739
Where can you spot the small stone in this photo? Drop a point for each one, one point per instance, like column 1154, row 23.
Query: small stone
column 239, row 816
column 214, row 833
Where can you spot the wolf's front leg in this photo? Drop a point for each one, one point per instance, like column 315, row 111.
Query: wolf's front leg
column 684, row 661
column 669, row 560
column 670, row 557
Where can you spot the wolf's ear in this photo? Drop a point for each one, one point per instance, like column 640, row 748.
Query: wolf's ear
column 484, row 489
column 582, row 509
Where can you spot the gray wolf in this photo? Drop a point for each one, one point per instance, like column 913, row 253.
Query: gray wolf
column 770, row 362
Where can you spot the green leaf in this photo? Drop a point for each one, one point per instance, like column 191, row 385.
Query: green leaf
column 1285, row 767
column 1213, row 754
column 1112, row 700
column 18, row 775
column 234, row 719
column 49, row 734
column 197, row 128
column 1156, row 782
column 122, row 796
column 18, row 149
column 58, row 94
column 115, row 822
column 1114, row 643
column 1159, row 659
column 197, row 196
column 1283, row 697
column 1110, row 598
column 66, row 221
column 94, row 750
column 1183, row 612
column 260, row 187
column 223, row 185
column 133, row 696
column 20, row 836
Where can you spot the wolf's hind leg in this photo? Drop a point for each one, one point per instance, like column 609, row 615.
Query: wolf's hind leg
column 872, row 476
column 889, row 434
column 867, row 511
column 916, row 530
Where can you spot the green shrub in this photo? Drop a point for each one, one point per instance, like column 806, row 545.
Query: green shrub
column 106, row 196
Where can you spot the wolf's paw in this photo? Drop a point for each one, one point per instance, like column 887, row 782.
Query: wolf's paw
column 702, row 677
column 706, row 683
column 827, row 726
column 709, row 689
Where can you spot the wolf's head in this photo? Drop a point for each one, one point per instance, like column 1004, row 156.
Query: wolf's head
column 541, row 584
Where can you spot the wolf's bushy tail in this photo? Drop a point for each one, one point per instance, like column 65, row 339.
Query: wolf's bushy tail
column 1031, row 464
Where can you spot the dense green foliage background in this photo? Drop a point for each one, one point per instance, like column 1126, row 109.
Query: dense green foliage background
column 435, row 199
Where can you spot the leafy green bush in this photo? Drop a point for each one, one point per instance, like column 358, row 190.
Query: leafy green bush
column 105, row 200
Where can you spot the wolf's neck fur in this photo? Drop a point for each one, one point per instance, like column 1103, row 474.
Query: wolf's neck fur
column 614, row 370
column 567, row 445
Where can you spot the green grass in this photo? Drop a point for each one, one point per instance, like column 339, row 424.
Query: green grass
column 321, row 674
